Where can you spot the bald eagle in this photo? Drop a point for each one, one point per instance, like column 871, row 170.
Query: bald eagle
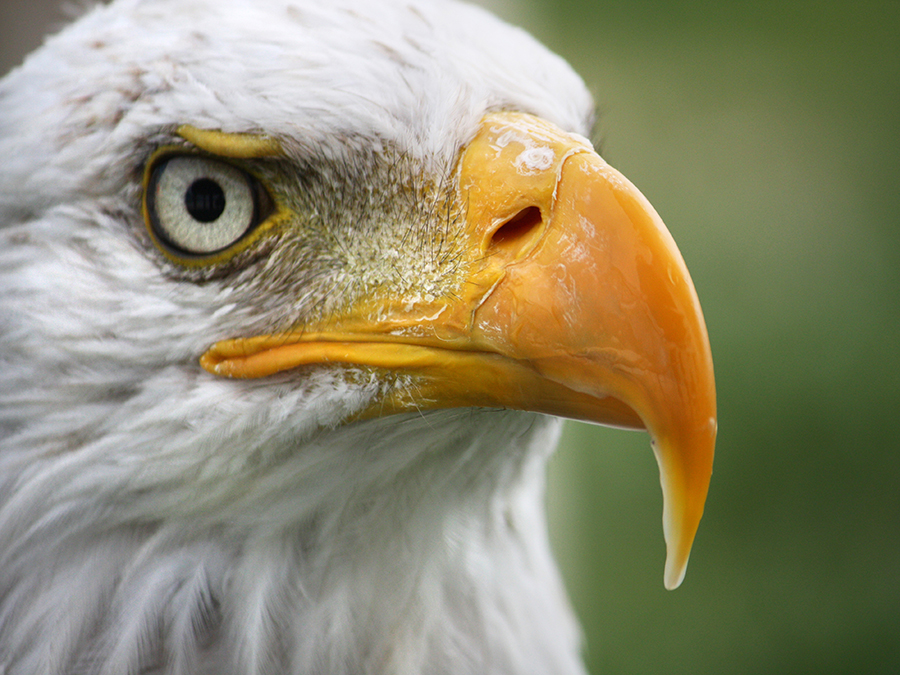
column 292, row 297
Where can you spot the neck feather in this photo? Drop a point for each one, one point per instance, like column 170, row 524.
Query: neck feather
column 413, row 544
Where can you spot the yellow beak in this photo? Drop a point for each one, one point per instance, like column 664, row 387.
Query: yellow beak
column 576, row 303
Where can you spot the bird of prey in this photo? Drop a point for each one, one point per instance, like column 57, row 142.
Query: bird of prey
column 292, row 297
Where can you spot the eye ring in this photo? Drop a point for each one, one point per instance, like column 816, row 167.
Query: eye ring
column 199, row 207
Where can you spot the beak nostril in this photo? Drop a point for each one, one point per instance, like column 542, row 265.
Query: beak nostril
column 517, row 231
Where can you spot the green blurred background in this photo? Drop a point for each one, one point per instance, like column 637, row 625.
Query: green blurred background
column 767, row 135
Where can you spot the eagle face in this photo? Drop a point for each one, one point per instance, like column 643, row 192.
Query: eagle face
column 292, row 294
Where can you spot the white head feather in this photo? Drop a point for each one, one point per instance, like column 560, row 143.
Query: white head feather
column 154, row 518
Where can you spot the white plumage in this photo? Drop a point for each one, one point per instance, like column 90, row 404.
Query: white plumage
column 156, row 518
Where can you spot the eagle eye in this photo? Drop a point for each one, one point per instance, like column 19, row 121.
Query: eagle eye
column 197, row 206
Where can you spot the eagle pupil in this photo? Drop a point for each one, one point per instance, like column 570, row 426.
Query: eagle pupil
column 205, row 200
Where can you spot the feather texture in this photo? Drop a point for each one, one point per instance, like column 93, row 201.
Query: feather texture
column 155, row 519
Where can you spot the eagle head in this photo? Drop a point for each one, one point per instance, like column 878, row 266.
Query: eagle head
column 293, row 296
